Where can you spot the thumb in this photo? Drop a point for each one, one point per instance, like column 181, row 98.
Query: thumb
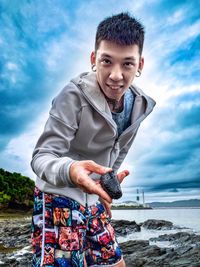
column 122, row 175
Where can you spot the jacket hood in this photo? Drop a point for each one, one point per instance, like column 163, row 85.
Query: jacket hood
column 87, row 82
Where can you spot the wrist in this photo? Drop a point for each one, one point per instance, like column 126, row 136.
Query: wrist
column 70, row 173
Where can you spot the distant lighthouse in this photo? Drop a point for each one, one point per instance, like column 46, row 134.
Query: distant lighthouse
column 143, row 197
column 137, row 196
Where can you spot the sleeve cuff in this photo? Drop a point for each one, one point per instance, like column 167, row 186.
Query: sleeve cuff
column 69, row 181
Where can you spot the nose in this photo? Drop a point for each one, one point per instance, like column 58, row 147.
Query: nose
column 116, row 73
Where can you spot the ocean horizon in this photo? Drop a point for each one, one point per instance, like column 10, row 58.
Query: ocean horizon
column 188, row 217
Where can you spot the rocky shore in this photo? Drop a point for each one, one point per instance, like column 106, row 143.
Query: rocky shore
column 182, row 250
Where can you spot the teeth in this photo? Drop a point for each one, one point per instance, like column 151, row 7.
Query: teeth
column 115, row 87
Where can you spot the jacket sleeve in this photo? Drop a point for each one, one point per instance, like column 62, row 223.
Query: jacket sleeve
column 50, row 159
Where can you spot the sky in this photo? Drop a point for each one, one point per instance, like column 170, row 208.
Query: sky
column 45, row 43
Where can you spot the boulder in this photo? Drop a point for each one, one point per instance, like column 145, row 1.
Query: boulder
column 179, row 239
column 125, row 227
column 157, row 224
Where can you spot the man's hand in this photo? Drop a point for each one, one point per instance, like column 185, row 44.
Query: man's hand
column 79, row 173
column 107, row 205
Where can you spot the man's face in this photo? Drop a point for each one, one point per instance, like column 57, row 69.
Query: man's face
column 116, row 67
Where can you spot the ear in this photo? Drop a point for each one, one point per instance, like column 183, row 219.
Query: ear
column 141, row 64
column 93, row 58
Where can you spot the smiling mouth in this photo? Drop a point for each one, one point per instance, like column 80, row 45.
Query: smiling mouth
column 114, row 87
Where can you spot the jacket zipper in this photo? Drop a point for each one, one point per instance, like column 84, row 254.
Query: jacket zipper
column 117, row 136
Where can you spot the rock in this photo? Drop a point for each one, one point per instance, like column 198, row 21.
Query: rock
column 184, row 253
column 180, row 239
column 14, row 235
column 137, row 253
column 134, row 245
column 124, row 227
column 157, row 224
column 181, row 262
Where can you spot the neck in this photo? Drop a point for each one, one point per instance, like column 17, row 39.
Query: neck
column 115, row 105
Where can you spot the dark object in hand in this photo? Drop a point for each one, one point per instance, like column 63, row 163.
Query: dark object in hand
column 111, row 185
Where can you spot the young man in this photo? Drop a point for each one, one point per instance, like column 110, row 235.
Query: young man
column 92, row 124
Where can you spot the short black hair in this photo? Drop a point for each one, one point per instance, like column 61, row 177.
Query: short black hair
column 122, row 29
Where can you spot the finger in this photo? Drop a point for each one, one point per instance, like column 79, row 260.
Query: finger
column 89, row 186
column 102, row 194
column 107, row 207
column 94, row 167
column 85, row 263
column 122, row 175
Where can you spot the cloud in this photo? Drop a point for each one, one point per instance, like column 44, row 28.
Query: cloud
column 17, row 155
column 151, row 195
column 30, row 70
column 44, row 45
column 168, row 156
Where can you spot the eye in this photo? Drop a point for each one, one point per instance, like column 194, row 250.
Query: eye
column 129, row 64
column 105, row 61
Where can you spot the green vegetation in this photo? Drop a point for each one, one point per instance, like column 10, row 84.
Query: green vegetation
column 16, row 190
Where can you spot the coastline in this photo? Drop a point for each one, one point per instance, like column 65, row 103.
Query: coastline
column 180, row 247
column 130, row 208
column 151, row 208
column 175, row 207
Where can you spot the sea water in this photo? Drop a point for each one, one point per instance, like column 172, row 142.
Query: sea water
column 186, row 218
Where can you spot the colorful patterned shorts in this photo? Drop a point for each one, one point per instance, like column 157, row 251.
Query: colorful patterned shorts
column 65, row 233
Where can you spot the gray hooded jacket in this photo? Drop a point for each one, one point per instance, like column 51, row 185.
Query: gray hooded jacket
column 80, row 127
